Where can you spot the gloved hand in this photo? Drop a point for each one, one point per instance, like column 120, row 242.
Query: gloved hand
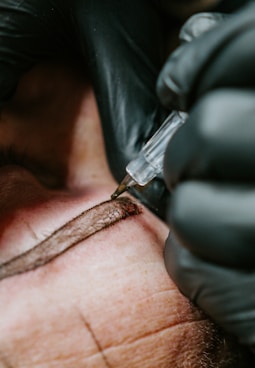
column 209, row 167
column 119, row 46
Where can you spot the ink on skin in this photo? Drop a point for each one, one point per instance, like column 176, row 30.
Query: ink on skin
column 80, row 228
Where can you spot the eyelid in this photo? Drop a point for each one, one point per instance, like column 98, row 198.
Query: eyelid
column 9, row 156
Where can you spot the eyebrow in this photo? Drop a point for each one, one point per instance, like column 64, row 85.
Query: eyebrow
column 74, row 231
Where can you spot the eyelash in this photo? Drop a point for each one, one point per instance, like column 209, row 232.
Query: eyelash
column 9, row 156
column 46, row 176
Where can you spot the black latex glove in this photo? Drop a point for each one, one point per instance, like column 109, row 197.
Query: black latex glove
column 125, row 48
column 118, row 43
column 209, row 167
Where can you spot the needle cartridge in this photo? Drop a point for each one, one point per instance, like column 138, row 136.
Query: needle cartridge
column 149, row 162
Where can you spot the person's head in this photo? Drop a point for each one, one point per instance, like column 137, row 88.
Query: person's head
column 107, row 301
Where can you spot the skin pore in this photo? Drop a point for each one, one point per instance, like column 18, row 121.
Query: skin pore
column 107, row 301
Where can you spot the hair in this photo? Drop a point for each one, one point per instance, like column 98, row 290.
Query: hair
column 79, row 228
column 221, row 350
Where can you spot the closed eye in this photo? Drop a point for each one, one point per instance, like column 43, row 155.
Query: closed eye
column 9, row 156
column 45, row 174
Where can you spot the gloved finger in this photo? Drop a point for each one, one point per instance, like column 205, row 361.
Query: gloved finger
column 225, row 294
column 215, row 221
column 124, row 65
column 198, row 24
column 30, row 31
column 195, row 26
column 222, row 57
column 216, row 142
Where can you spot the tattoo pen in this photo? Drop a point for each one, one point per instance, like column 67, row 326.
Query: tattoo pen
column 149, row 163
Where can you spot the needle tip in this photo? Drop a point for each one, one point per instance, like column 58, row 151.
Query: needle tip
column 114, row 195
column 121, row 189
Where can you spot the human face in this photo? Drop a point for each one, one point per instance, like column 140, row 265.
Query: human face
column 107, row 301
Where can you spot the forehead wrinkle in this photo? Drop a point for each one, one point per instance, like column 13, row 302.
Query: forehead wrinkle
column 73, row 232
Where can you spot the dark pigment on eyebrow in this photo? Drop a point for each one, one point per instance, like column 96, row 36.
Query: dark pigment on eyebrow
column 80, row 228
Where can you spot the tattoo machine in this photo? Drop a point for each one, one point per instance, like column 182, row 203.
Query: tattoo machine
column 149, row 162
